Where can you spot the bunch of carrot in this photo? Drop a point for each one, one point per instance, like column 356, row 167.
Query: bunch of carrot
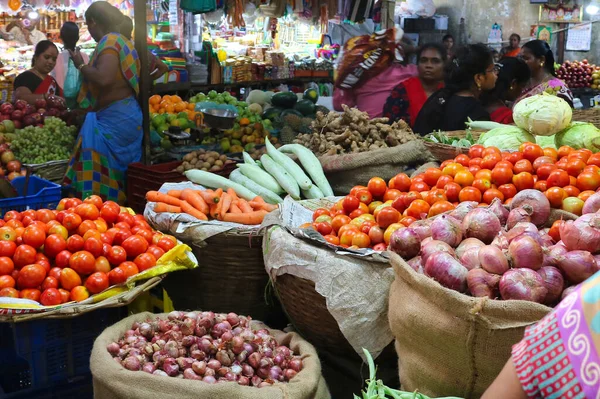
column 215, row 204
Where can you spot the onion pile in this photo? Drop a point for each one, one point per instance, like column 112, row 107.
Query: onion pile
column 520, row 261
column 207, row 347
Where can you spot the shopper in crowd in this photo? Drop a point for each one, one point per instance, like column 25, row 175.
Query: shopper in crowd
column 448, row 41
column 36, row 83
column 471, row 73
column 408, row 97
column 558, row 356
column 540, row 60
column 495, row 55
column 514, row 75
column 514, row 47
column 24, row 31
column 67, row 76
column 156, row 66
column 370, row 96
column 112, row 133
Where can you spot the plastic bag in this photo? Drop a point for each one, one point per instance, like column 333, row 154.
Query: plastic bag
column 72, row 84
column 422, row 8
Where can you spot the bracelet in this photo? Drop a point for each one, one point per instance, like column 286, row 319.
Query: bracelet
column 80, row 67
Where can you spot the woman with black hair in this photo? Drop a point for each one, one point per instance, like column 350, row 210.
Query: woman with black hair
column 66, row 74
column 540, row 60
column 448, row 41
column 36, row 83
column 471, row 73
column 512, row 78
column 408, row 97
column 513, row 49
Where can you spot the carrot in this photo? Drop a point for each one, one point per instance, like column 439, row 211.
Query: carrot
column 219, row 193
column 217, row 214
column 255, row 217
column 161, row 207
column 213, row 211
column 195, row 200
column 259, row 199
column 232, row 193
column 155, row 196
column 234, row 209
column 226, row 201
column 174, row 193
column 190, row 210
column 208, row 196
column 262, row 206
column 244, row 206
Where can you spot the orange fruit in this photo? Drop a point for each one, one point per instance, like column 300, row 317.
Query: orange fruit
column 170, row 108
column 191, row 107
column 176, row 99
column 167, row 98
column 161, row 110
column 155, row 99
column 180, row 106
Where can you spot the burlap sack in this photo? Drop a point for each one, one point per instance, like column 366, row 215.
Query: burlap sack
column 450, row 344
column 111, row 381
column 347, row 170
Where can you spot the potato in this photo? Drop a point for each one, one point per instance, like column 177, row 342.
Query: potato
column 188, row 157
column 201, row 151
column 223, row 157
column 186, row 165
column 210, row 160
column 204, row 169
column 219, row 163
column 194, row 161
column 206, row 165
column 180, row 169
column 215, row 169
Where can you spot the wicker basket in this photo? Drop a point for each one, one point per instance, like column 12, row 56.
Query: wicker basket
column 231, row 278
column 443, row 152
column 591, row 115
column 53, row 171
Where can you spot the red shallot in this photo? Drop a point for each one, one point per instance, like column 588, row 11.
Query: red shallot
column 463, row 209
column 551, row 254
column 577, row 265
column 499, row 210
column 538, row 202
column 470, row 258
column 405, row 242
column 568, row 291
column 433, row 247
column 493, row 260
column 482, row 283
column 517, row 215
column 447, row 271
column 554, row 283
column 592, row 204
column 481, row 223
column 582, row 234
column 416, row 264
column 525, row 252
column 466, row 244
column 447, row 229
column 523, row 284
column 422, row 228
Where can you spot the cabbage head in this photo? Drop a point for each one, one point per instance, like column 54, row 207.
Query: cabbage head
column 506, row 138
column 579, row 135
column 546, row 141
column 542, row 114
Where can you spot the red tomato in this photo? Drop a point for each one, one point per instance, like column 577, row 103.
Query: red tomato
column 72, row 203
column 532, row 151
column 573, row 205
column 564, row 151
column 575, row 166
column 501, row 175
column 431, row 176
column 83, row 262
column 482, row 185
column 322, row 227
column 86, row 226
column 475, row 151
column 556, row 195
column 588, row 181
column 419, row 186
column 7, row 248
column 541, row 185
column 94, row 200
column 7, row 282
column 9, row 292
column 126, row 217
column 129, row 268
column 117, row 276
column 350, row 203
column 136, row 245
column 469, row 194
column 554, row 231
column 319, row 212
column 543, row 172
column 452, row 190
column 79, row 294
column 146, row 261
column 72, row 221
column 94, row 246
column 34, row 237
column 583, row 154
column 474, row 169
column 356, row 213
column 514, row 157
column 75, row 243
column 572, row 191
column 400, row 182
column 377, row 187
column 418, row 209
column 32, row 294
column 332, row 239
column 436, row 195
column 24, row 255
column 522, row 181
column 365, row 196
column 87, row 211
column 558, row 178
column 389, row 215
column 54, row 244
column 117, row 255
column 475, row 162
column 51, row 297
column 445, row 179
column 490, row 161
column 490, row 194
column 96, row 282
column 12, row 215
column 594, row 160
column 490, row 151
column 62, row 259
column 69, row 279
column 541, row 161
column 50, row 282
column 64, row 295
column 166, row 244
column 523, row 166
column 31, row 276
column 462, row 159
column 6, row 265
column 121, row 236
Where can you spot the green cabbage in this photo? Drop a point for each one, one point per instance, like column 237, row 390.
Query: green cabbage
column 506, row 138
column 579, row 135
column 546, row 141
column 542, row 114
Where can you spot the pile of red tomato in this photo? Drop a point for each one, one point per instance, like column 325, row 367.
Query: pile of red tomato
column 370, row 214
column 80, row 249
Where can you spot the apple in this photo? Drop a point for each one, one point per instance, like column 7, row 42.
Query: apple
column 21, row 104
column 29, row 109
column 28, row 120
column 17, row 114
column 13, row 166
column 4, row 118
column 6, row 157
column 37, row 118
column 6, row 108
column 40, row 103
column 18, row 124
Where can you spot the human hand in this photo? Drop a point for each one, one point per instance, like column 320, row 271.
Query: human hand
column 76, row 57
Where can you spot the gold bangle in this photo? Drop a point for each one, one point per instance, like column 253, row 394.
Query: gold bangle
column 81, row 66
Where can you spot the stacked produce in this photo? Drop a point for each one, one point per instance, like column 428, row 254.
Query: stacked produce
column 10, row 167
column 23, row 114
column 369, row 215
column 210, row 161
column 579, row 74
column 172, row 105
column 53, row 141
column 218, row 205
column 207, row 347
column 244, row 136
column 353, row 131
column 275, row 174
column 80, row 249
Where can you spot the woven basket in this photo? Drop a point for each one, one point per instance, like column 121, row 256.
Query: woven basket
column 53, row 171
column 443, row 152
column 231, row 277
column 591, row 115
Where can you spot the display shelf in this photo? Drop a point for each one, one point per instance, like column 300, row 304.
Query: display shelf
column 162, row 88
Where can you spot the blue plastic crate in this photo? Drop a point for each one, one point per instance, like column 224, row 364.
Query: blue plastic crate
column 48, row 355
column 40, row 194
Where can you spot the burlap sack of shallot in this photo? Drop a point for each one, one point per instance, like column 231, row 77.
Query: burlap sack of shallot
column 112, row 381
column 347, row 170
column 448, row 343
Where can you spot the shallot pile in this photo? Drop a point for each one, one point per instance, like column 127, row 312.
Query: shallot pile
column 208, row 347
column 496, row 253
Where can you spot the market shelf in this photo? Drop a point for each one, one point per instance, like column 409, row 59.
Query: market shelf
column 187, row 86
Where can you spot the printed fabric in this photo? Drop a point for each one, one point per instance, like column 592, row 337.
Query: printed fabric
column 554, row 86
column 559, row 356
column 406, row 100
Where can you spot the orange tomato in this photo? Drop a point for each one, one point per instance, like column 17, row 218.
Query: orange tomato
column 389, row 230
column 475, row 151
column 436, row 195
column 407, row 220
column 440, row 207
column 361, row 240
column 501, row 175
column 523, row 166
column 464, row 178
column 391, row 195
column 551, row 152
column 417, row 209
column 573, row 205
column 373, row 205
column 508, row 190
column 400, row 182
column 532, row 151
column 320, row 212
column 588, row 181
column 419, row 186
column 523, row 181
column 452, row 168
column 389, row 215
column 346, row 237
column 584, row 195
column 556, row 195
column 484, row 174
column 564, row 151
column 377, row 187
column 490, row 194
column 490, row 151
column 594, row 159
column 332, row 239
column 575, row 166
column 540, row 185
column 572, row 191
column 79, row 293
column 345, row 228
column 482, row 184
column 431, row 176
column 469, row 194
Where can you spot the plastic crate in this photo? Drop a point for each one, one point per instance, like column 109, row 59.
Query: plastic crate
column 40, row 194
column 45, row 358
column 143, row 178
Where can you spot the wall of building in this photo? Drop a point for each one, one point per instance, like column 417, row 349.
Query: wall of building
column 514, row 15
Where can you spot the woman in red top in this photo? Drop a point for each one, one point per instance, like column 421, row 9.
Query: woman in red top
column 408, row 97
column 512, row 78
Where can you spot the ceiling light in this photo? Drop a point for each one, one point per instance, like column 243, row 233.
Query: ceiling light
column 593, row 7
